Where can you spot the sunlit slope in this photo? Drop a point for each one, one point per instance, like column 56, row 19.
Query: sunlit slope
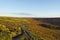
column 46, row 33
column 33, row 27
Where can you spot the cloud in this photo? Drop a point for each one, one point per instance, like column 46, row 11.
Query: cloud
column 27, row 14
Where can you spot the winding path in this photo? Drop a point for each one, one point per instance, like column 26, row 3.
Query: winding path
column 24, row 32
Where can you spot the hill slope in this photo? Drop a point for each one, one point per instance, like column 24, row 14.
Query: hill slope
column 55, row 21
column 33, row 27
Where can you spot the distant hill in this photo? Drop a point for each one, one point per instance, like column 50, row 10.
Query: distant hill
column 55, row 21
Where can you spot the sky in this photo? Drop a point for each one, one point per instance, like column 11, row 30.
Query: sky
column 32, row 8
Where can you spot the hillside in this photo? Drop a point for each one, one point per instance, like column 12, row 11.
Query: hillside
column 26, row 29
column 55, row 21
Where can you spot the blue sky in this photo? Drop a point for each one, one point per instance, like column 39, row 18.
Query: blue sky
column 37, row 8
